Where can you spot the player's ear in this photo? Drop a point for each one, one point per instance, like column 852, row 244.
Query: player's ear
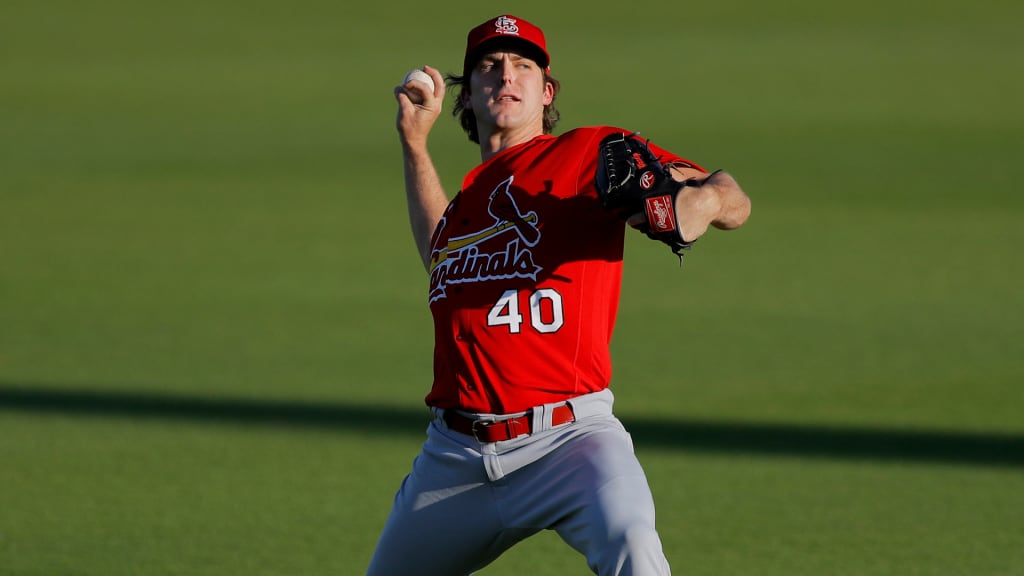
column 549, row 93
column 465, row 100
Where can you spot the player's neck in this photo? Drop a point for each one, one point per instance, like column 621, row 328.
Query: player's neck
column 499, row 140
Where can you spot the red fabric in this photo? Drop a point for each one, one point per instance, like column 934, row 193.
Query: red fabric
column 525, row 279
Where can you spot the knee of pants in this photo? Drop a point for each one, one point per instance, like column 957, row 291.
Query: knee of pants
column 636, row 550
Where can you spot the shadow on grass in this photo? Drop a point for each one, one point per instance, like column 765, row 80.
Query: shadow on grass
column 805, row 441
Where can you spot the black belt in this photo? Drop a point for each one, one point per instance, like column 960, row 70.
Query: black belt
column 507, row 429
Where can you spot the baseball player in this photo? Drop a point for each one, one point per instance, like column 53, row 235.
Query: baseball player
column 525, row 265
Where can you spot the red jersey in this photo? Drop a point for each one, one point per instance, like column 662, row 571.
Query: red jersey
column 525, row 274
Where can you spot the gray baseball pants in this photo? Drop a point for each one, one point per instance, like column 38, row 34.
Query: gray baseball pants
column 466, row 502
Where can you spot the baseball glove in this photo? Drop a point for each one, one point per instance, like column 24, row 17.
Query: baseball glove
column 631, row 180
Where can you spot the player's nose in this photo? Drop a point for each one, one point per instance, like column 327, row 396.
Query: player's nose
column 507, row 70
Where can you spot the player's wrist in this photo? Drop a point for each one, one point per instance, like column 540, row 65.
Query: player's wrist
column 414, row 147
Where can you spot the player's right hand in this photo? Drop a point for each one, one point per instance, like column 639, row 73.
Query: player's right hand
column 416, row 120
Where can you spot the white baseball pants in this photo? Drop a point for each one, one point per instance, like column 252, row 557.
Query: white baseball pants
column 464, row 502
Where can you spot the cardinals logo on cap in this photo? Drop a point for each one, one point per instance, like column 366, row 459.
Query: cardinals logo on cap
column 506, row 25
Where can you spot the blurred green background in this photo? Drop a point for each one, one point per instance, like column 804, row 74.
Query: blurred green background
column 214, row 339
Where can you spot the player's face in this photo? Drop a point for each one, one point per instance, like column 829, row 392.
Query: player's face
column 508, row 92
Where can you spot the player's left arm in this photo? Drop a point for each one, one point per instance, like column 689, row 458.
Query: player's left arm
column 718, row 201
column 664, row 196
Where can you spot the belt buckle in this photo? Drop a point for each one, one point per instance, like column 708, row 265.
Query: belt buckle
column 476, row 432
column 513, row 429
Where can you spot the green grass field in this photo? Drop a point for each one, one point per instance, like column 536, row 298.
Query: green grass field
column 214, row 339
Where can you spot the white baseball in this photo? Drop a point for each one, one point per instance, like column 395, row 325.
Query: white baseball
column 418, row 76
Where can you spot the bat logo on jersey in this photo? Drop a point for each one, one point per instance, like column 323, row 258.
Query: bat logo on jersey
column 461, row 260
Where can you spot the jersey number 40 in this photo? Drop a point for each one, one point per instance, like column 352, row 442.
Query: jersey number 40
column 545, row 306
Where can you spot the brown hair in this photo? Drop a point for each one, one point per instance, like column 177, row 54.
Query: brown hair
column 467, row 118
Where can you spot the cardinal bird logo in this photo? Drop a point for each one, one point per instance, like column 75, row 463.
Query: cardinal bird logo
column 504, row 209
column 462, row 260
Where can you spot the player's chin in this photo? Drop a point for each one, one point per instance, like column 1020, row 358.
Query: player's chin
column 505, row 121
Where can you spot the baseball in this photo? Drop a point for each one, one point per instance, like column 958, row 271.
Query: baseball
column 418, row 76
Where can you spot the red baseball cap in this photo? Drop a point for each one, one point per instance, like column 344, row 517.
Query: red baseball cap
column 506, row 27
